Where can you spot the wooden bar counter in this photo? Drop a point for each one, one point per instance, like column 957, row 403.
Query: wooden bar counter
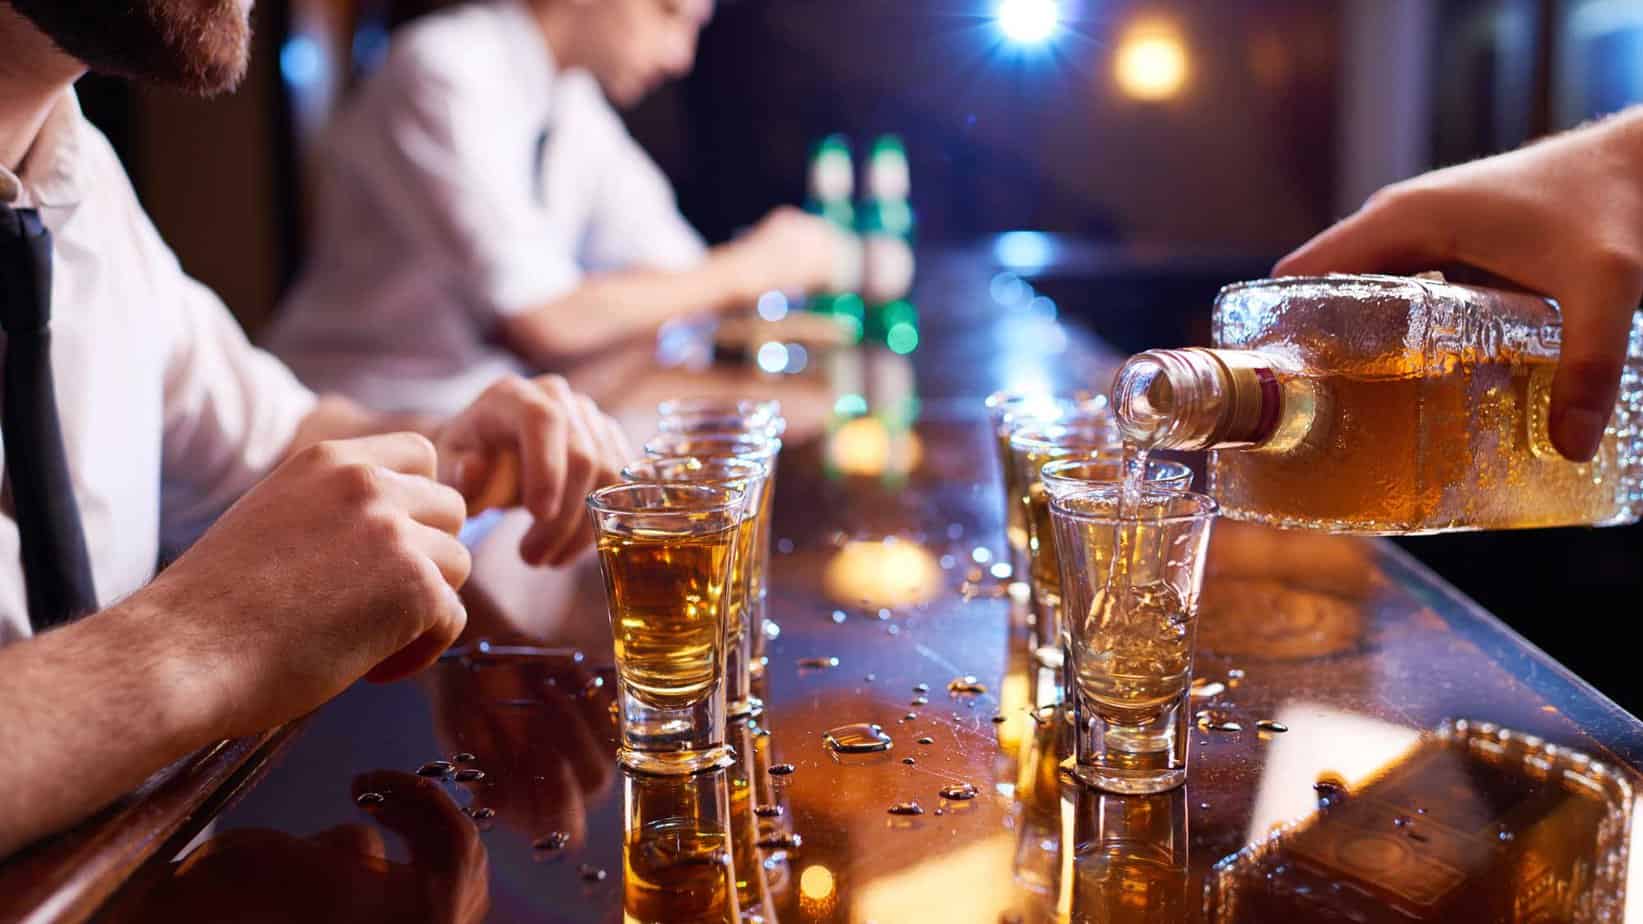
column 1372, row 747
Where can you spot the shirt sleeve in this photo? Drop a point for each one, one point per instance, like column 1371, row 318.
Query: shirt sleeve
column 231, row 412
column 457, row 183
column 635, row 221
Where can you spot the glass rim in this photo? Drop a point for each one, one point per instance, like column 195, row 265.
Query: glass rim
column 696, row 404
column 1208, row 509
column 1037, row 435
column 760, row 469
column 729, row 499
column 758, row 445
column 1177, row 468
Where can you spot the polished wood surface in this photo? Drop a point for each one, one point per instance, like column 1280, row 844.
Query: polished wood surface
column 1357, row 650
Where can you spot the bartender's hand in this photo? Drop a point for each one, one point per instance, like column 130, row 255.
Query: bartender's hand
column 342, row 563
column 792, row 251
column 341, row 874
column 1563, row 217
column 537, row 444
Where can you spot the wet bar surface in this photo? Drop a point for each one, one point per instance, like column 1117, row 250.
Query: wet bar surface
column 1328, row 668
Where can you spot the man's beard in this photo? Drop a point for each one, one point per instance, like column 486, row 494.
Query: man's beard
column 196, row 45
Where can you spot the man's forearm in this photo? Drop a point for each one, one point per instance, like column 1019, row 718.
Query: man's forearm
column 612, row 308
column 89, row 711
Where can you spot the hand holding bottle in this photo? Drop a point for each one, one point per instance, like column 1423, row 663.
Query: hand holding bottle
column 1563, row 217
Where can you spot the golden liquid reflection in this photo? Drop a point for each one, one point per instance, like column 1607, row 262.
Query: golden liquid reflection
column 890, row 573
column 867, row 446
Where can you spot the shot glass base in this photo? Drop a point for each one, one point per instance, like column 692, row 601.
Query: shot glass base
column 675, row 763
column 746, row 709
column 1127, row 783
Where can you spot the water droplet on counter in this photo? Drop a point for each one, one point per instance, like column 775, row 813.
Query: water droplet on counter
column 921, row 688
column 909, row 717
column 1224, row 726
column 1234, row 675
column 958, row 792
column 1330, row 788
column 870, row 678
column 1206, row 688
column 999, row 719
column 908, row 761
column 927, row 740
column 1403, row 821
column 434, row 768
column 781, row 842
column 767, row 811
column 591, row 873
column 592, row 687
column 464, row 757
column 479, row 813
column 921, row 701
column 907, row 808
column 1268, row 725
column 884, row 614
column 368, row 799
column 858, row 738
column 469, row 775
column 1204, row 805
column 966, row 684
column 839, row 617
column 1504, row 836
column 558, row 840
column 781, row 769
column 820, row 663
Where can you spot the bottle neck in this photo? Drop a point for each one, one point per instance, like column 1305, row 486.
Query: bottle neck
column 1198, row 399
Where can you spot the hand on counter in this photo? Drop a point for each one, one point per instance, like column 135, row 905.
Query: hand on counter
column 1563, row 217
column 791, row 251
column 537, row 444
column 343, row 563
column 338, row 875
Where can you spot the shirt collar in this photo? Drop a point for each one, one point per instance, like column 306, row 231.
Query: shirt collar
column 48, row 179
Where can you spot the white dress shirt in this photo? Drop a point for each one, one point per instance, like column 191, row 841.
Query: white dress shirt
column 168, row 414
column 468, row 180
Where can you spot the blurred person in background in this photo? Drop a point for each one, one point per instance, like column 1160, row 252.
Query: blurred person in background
column 483, row 209
column 315, row 540
column 1562, row 217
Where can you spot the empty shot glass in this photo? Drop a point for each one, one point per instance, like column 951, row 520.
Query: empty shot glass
column 1132, row 567
column 667, row 553
column 751, row 477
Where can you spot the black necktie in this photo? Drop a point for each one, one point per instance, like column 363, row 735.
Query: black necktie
column 56, row 567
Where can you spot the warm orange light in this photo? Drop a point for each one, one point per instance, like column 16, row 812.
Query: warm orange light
column 816, row 883
column 881, row 574
column 1152, row 63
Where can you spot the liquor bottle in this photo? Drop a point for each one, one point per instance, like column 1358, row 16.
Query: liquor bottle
column 1476, row 823
column 891, row 324
column 1384, row 405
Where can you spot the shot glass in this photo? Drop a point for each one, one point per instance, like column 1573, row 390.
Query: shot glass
column 759, row 447
column 721, row 416
column 1132, row 567
column 667, row 552
column 1031, row 448
column 749, row 476
column 1008, row 411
